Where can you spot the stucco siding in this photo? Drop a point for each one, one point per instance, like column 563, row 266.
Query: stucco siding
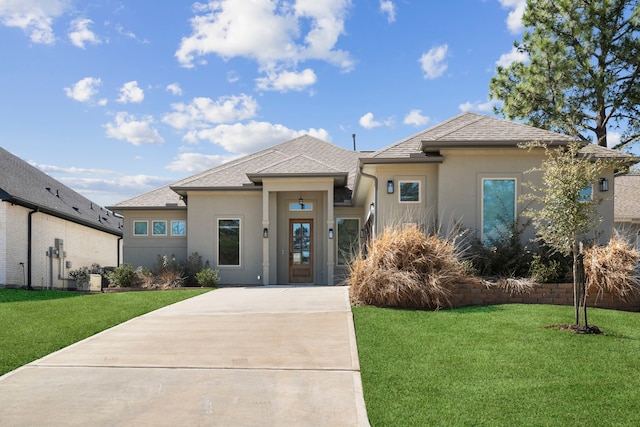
column 143, row 251
column 206, row 209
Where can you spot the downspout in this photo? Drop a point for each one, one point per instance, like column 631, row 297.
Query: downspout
column 118, row 243
column 375, row 198
column 29, row 247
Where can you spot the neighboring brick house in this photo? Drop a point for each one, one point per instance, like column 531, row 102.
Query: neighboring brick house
column 291, row 213
column 627, row 206
column 46, row 229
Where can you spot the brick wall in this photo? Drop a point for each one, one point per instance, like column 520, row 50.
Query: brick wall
column 549, row 293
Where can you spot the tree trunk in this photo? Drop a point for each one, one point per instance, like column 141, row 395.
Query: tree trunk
column 576, row 285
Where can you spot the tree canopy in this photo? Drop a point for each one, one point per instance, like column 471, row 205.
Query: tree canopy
column 582, row 76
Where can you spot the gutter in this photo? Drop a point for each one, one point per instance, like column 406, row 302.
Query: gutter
column 30, row 247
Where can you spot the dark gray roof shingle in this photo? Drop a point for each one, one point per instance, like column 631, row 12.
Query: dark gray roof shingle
column 25, row 185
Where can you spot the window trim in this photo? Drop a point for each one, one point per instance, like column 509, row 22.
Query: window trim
column 338, row 237
column 515, row 198
column 229, row 218
column 185, row 227
column 409, row 181
column 153, row 229
column 146, row 228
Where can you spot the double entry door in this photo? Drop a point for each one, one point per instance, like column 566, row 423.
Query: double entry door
column 300, row 251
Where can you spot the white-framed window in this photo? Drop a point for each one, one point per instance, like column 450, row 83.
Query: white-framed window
column 498, row 208
column 140, row 228
column 229, row 242
column 409, row 191
column 178, row 228
column 300, row 207
column 159, row 228
column 347, row 239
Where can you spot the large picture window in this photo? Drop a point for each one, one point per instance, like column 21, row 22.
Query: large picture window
column 348, row 233
column 229, row 242
column 409, row 191
column 498, row 208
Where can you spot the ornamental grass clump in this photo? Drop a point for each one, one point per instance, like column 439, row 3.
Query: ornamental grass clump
column 404, row 268
column 613, row 268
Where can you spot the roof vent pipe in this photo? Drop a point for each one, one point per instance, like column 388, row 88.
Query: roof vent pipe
column 353, row 135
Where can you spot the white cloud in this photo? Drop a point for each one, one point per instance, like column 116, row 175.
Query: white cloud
column 415, row 118
column 613, row 138
column 126, row 127
column 84, row 90
column 203, row 112
column 387, row 7
column 130, row 92
column 79, row 34
column 196, row 162
column 175, row 89
column 287, row 80
column 485, row 107
column 297, row 31
column 34, row 17
column 245, row 138
column 368, row 122
column 433, row 62
column 514, row 20
column 509, row 58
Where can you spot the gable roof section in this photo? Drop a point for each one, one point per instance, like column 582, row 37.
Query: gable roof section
column 27, row 186
column 627, row 198
column 302, row 156
column 160, row 198
column 469, row 130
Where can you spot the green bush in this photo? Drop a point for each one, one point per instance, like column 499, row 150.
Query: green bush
column 207, row 277
column 124, row 276
column 191, row 267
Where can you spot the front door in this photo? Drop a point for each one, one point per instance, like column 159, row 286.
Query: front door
column 300, row 251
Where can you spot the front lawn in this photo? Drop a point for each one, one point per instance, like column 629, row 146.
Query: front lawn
column 498, row 365
column 36, row 323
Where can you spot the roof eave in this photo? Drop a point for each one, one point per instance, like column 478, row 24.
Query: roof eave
column 340, row 178
column 428, row 145
column 402, row 160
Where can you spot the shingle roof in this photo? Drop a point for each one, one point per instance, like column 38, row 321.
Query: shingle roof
column 627, row 198
column 469, row 129
column 158, row 198
column 25, row 185
column 299, row 156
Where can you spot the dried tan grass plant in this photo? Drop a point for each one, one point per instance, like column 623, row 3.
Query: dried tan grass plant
column 613, row 268
column 515, row 286
column 406, row 268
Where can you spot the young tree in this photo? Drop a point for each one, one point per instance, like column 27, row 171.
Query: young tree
column 564, row 208
column 582, row 76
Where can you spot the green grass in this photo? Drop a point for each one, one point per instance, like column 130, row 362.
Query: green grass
column 36, row 323
column 498, row 366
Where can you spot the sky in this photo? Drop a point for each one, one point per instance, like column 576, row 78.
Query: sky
column 118, row 97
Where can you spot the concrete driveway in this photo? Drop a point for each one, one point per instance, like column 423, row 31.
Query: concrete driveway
column 261, row 356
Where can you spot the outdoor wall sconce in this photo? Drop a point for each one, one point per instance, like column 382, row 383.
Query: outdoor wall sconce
column 331, row 233
column 265, row 233
column 604, row 184
column 301, row 202
column 390, row 186
column 362, row 233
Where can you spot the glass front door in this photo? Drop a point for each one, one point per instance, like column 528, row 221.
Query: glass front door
column 301, row 251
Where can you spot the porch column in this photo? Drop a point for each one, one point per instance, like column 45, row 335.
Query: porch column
column 265, row 241
column 331, row 245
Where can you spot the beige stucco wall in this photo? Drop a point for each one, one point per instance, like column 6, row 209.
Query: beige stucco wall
column 83, row 246
column 143, row 251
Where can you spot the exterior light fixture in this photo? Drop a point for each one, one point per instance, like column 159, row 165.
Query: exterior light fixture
column 362, row 233
column 301, row 202
column 604, row 184
column 265, row 233
column 331, row 233
column 372, row 208
column 390, row 186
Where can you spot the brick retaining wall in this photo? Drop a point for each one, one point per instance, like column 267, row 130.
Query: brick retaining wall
column 548, row 293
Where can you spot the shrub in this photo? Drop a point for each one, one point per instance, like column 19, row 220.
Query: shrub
column 613, row 268
column 191, row 267
column 207, row 277
column 406, row 268
column 124, row 276
column 81, row 275
column 168, row 273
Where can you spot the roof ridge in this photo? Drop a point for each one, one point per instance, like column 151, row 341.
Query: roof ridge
column 476, row 119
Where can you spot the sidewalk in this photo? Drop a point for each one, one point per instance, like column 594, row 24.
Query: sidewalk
column 262, row 356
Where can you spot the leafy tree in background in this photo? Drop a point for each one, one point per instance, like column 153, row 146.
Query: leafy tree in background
column 563, row 213
column 583, row 72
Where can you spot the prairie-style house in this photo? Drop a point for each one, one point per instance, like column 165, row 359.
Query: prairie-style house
column 292, row 213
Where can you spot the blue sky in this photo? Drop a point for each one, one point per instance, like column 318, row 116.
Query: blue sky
column 115, row 98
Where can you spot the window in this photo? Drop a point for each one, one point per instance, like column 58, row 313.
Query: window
column 300, row 207
column 229, row 242
column 140, row 228
column 409, row 191
column 178, row 228
column 498, row 208
column 159, row 228
column 348, row 232
column 585, row 194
